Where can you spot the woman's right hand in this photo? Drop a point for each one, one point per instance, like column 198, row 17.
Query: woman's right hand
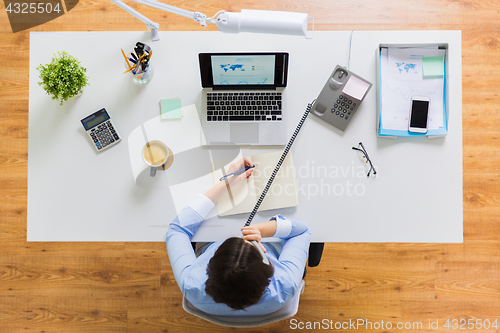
column 238, row 165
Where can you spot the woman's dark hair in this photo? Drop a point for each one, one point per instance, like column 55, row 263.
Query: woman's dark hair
column 237, row 276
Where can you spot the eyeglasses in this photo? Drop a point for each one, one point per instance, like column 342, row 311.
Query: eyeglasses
column 365, row 158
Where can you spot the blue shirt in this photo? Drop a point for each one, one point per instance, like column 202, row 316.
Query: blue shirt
column 191, row 275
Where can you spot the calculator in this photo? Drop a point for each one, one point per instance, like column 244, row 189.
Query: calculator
column 101, row 130
column 340, row 98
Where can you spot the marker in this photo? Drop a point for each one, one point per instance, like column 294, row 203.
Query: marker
column 236, row 173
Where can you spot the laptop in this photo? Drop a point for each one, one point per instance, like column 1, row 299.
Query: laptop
column 243, row 98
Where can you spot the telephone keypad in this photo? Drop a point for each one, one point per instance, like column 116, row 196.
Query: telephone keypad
column 343, row 107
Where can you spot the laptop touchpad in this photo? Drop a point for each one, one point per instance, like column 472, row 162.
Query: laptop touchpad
column 244, row 133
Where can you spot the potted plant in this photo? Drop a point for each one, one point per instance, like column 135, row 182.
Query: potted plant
column 63, row 77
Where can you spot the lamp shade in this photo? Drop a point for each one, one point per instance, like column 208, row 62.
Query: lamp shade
column 263, row 21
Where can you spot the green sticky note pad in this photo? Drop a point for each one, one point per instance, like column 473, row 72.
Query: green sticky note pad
column 432, row 67
column 171, row 108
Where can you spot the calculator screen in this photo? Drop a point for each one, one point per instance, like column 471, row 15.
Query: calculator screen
column 96, row 120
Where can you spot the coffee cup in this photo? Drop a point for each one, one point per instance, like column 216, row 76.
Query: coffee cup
column 155, row 154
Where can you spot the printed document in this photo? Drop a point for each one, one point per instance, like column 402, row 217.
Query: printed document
column 401, row 79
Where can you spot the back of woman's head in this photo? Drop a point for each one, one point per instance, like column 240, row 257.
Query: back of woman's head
column 237, row 276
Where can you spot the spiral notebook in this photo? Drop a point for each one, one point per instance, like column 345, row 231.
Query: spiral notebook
column 243, row 197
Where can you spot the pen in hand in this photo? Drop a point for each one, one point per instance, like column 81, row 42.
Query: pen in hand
column 236, row 173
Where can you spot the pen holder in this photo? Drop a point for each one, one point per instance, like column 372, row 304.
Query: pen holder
column 140, row 77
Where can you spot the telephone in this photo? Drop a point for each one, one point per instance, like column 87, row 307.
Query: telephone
column 340, row 98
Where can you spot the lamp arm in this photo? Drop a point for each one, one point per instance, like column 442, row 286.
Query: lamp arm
column 152, row 26
column 196, row 16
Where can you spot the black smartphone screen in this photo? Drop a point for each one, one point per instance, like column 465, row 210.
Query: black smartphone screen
column 419, row 114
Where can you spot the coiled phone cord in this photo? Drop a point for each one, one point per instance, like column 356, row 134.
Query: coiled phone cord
column 276, row 169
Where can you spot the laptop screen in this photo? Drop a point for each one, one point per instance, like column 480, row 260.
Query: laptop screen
column 243, row 70
column 240, row 69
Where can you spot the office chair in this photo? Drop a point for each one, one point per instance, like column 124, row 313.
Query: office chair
column 289, row 310
column 315, row 254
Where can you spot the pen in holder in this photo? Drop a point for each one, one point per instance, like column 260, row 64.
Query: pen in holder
column 138, row 64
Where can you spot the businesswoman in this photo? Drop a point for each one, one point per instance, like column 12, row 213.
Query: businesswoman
column 235, row 277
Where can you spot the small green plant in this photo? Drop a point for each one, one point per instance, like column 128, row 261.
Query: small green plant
column 63, row 77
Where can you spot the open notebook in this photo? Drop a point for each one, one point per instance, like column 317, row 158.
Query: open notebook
column 243, row 197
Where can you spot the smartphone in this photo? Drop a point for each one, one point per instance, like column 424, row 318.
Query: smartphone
column 419, row 114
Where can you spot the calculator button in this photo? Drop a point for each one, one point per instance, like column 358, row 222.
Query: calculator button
column 346, row 117
column 344, row 110
column 340, row 97
column 98, row 144
column 111, row 140
column 349, row 102
column 337, row 113
column 99, row 147
column 341, row 115
column 116, row 137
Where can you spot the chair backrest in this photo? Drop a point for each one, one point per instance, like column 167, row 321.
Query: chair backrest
column 289, row 310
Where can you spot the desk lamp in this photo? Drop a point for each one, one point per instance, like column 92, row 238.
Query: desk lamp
column 261, row 21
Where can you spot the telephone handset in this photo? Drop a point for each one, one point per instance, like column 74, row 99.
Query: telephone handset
column 340, row 98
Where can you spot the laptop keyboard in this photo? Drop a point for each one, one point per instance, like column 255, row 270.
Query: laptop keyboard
column 244, row 106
